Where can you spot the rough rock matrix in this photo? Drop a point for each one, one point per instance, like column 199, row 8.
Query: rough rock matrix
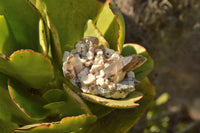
column 99, row 70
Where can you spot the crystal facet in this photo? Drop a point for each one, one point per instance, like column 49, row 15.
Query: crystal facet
column 99, row 70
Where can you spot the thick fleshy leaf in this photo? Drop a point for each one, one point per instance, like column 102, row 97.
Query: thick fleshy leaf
column 69, row 22
column 51, row 33
column 50, row 36
column 128, row 102
column 120, row 121
column 145, row 69
column 110, row 23
column 54, row 95
column 28, row 102
column 9, row 110
column 69, row 104
column 23, row 21
column 44, row 38
column 7, row 126
column 98, row 109
column 56, row 50
column 64, row 108
column 66, row 125
column 77, row 99
column 91, row 30
column 29, row 67
column 7, row 41
column 3, row 81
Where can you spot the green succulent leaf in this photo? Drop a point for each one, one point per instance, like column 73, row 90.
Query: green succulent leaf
column 44, row 38
column 55, row 44
column 145, row 69
column 29, row 67
column 9, row 110
column 67, row 125
column 35, row 94
column 50, row 33
column 64, row 108
column 91, row 30
column 7, row 126
column 30, row 103
column 98, row 109
column 77, row 99
column 110, row 23
column 7, row 41
column 69, row 104
column 23, row 22
column 122, row 120
column 3, row 81
column 128, row 102
column 54, row 95
column 69, row 22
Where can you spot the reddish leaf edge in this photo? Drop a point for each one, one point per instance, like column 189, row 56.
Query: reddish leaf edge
column 18, row 105
column 53, row 31
column 97, row 30
column 104, row 103
column 3, row 56
column 76, row 100
column 150, row 70
column 119, row 21
column 52, row 123
column 31, row 51
column 121, row 24
column 10, row 59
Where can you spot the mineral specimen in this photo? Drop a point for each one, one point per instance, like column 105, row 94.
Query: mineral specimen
column 99, row 70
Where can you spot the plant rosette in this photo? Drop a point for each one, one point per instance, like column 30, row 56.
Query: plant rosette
column 35, row 94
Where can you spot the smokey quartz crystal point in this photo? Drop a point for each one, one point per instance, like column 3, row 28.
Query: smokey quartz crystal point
column 98, row 70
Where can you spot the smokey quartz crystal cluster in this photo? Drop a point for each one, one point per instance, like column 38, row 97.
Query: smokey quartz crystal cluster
column 99, row 70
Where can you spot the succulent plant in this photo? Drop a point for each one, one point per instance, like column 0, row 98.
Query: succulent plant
column 35, row 97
